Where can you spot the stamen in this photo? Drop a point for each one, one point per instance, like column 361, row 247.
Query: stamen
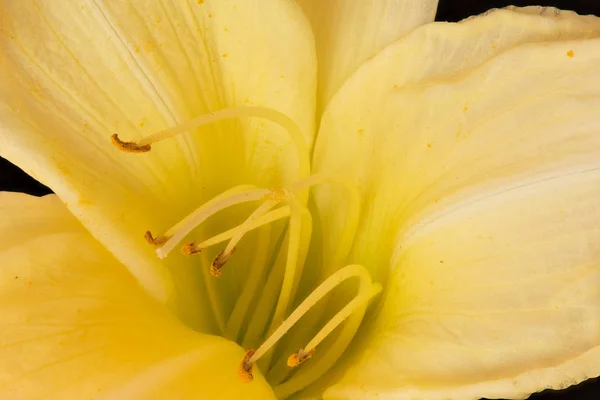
column 256, row 272
column 229, row 113
column 298, row 358
column 246, row 367
column 220, row 260
column 290, row 265
column 129, row 147
column 229, row 198
column 238, row 232
column 244, row 227
column 342, row 246
column 155, row 241
column 193, row 248
column 305, row 376
column 364, row 295
column 323, row 289
column 341, row 242
column 299, row 234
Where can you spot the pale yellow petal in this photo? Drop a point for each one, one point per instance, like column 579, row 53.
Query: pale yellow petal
column 471, row 128
column 74, row 73
column 75, row 324
column 516, row 101
column 499, row 299
column 349, row 32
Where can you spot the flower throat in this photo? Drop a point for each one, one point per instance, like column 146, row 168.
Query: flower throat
column 277, row 358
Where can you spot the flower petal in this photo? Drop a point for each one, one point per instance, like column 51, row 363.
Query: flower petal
column 349, row 32
column 504, row 104
column 465, row 138
column 497, row 299
column 74, row 73
column 75, row 324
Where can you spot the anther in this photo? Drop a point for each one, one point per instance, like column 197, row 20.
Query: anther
column 298, row 358
column 246, row 367
column 272, row 115
column 129, row 147
column 321, row 291
column 220, row 260
column 190, row 249
column 155, row 241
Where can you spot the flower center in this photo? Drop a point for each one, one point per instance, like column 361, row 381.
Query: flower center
column 263, row 312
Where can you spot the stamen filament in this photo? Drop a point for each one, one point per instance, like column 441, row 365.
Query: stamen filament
column 226, row 199
column 256, row 271
column 245, row 226
column 290, row 264
column 341, row 243
column 300, row 231
column 241, row 230
column 220, row 196
column 352, row 220
column 305, row 376
column 323, row 289
column 228, row 113
column 352, row 214
column 269, row 217
column 363, row 296
column 266, row 302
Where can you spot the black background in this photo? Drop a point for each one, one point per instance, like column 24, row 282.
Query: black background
column 13, row 179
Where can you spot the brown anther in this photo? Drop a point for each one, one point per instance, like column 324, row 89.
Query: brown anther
column 190, row 249
column 215, row 272
column 298, row 358
column 129, row 147
column 246, row 367
column 220, row 260
column 155, row 241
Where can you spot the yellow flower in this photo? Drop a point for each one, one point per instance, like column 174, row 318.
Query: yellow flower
column 456, row 167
